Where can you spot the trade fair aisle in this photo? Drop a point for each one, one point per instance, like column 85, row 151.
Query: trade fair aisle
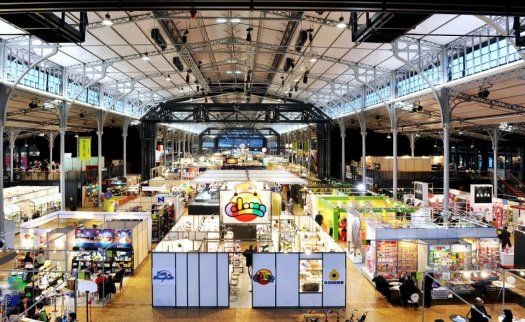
column 136, row 300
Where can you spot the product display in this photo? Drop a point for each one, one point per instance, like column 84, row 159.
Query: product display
column 311, row 275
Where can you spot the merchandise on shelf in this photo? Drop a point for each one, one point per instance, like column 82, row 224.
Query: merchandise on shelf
column 311, row 275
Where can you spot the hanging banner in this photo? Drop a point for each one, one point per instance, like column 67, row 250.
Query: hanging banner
column 84, row 148
column 421, row 192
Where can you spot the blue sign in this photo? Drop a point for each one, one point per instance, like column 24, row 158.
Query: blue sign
column 164, row 275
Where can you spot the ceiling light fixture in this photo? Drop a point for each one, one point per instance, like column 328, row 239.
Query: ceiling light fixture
column 145, row 57
column 389, row 136
column 484, row 89
column 235, row 20
column 313, row 60
column 249, row 34
column 341, row 24
column 168, row 78
column 107, row 20
column 222, row 20
column 282, row 80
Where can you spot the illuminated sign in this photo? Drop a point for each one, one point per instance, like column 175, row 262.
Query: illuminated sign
column 245, row 203
column 264, row 277
column 245, row 207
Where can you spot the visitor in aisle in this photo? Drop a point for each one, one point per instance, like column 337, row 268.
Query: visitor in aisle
column 429, row 280
column 28, row 259
column 319, row 219
column 405, row 277
column 119, row 276
column 24, row 217
column 72, row 204
column 106, row 288
column 406, row 290
column 475, row 315
column 504, row 238
column 41, row 314
column 25, row 306
column 248, row 253
column 36, row 215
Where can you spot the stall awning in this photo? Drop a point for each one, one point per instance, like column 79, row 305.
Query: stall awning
column 272, row 176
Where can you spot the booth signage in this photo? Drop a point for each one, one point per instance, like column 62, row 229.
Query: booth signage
column 164, row 275
column 245, row 205
column 421, row 192
column 334, row 278
column 84, row 148
column 264, row 277
column 482, row 194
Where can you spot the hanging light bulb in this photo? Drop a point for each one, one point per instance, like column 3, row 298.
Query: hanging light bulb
column 249, row 34
column 107, row 20
column 145, row 57
column 341, row 24
column 282, row 80
column 168, row 78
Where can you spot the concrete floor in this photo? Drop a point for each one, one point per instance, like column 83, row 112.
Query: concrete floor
column 134, row 304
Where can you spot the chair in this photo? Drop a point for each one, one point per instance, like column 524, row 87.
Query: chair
column 413, row 300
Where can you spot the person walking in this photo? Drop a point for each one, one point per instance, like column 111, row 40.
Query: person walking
column 504, row 238
column 248, row 254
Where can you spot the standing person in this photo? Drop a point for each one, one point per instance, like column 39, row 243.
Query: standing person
column 72, row 204
column 119, row 276
column 248, row 253
column 475, row 315
column 504, row 237
column 429, row 280
column 72, row 317
column 319, row 219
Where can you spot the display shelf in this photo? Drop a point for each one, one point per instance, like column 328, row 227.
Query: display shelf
column 311, row 275
column 107, row 260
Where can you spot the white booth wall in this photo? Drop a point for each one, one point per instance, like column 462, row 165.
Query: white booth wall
column 197, row 280
column 140, row 235
column 284, row 291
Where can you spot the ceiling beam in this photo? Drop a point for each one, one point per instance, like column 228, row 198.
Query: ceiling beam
column 484, row 7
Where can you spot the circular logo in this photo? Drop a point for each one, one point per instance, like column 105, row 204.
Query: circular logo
column 263, row 277
column 334, row 275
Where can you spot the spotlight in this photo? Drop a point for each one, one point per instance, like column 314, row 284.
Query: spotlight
column 33, row 104
column 184, row 37
column 187, row 77
column 418, row 135
column 282, row 80
column 76, row 135
column 341, row 24
column 296, row 87
column 145, row 56
column 310, row 34
column 249, row 34
column 235, row 20
column 389, row 136
column 313, row 60
column 460, row 132
column 107, row 20
column 483, row 93
column 168, row 78
column 305, row 77
column 419, row 108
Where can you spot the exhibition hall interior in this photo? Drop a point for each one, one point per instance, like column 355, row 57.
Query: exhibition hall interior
column 249, row 160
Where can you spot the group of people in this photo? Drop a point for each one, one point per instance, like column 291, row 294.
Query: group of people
column 407, row 287
column 37, row 312
column 43, row 165
column 34, row 259
column 106, row 283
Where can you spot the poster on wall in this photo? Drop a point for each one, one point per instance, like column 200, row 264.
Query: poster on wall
column 245, row 203
column 421, row 192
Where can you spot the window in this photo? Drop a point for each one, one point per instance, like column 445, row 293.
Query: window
column 311, row 275
column 38, row 77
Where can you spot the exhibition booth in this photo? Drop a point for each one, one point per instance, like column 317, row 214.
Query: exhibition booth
column 113, row 240
column 295, row 264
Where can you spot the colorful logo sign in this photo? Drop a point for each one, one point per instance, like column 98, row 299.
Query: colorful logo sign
column 333, row 277
column 264, row 276
column 164, row 275
column 245, row 207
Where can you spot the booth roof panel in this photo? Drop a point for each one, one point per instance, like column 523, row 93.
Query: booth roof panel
column 276, row 176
